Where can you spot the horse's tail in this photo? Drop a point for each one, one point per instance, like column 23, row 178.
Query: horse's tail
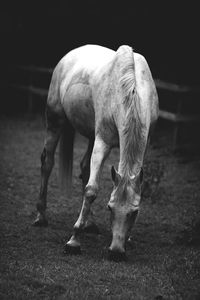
column 66, row 158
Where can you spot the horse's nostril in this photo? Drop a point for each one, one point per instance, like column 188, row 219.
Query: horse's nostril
column 116, row 256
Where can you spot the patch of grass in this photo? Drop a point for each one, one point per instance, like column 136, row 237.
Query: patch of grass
column 162, row 263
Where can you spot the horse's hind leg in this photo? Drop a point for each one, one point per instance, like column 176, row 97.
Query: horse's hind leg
column 53, row 131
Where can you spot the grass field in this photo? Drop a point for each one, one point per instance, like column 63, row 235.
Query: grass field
column 163, row 260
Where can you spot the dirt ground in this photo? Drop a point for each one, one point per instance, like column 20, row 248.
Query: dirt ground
column 163, row 260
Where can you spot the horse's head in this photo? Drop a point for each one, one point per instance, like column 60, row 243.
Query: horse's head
column 123, row 205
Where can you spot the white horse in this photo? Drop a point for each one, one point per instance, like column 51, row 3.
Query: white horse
column 110, row 98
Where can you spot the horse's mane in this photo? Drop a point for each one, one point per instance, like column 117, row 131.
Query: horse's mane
column 133, row 126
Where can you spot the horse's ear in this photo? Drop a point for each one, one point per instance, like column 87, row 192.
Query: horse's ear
column 115, row 176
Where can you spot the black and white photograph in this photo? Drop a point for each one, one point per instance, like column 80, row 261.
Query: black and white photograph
column 99, row 150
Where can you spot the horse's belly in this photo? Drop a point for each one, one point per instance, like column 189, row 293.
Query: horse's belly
column 78, row 106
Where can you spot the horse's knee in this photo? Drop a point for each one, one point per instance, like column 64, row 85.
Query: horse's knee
column 90, row 193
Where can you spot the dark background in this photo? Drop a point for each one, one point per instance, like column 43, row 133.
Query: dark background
column 166, row 33
column 164, row 260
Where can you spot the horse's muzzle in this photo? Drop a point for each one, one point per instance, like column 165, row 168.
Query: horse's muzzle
column 116, row 256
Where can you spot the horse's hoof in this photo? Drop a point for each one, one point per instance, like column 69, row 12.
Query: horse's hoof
column 72, row 250
column 116, row 256
column 92, row 228
column 40, row 223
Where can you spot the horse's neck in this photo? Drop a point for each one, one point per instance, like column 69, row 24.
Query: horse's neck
column 129, row 164
column 132, row 142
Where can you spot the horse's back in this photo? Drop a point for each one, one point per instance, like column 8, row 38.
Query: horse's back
column 77, row 72
column 88, row 57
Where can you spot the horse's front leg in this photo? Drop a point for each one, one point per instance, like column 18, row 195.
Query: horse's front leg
column 99, row 154
column 91, row 226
